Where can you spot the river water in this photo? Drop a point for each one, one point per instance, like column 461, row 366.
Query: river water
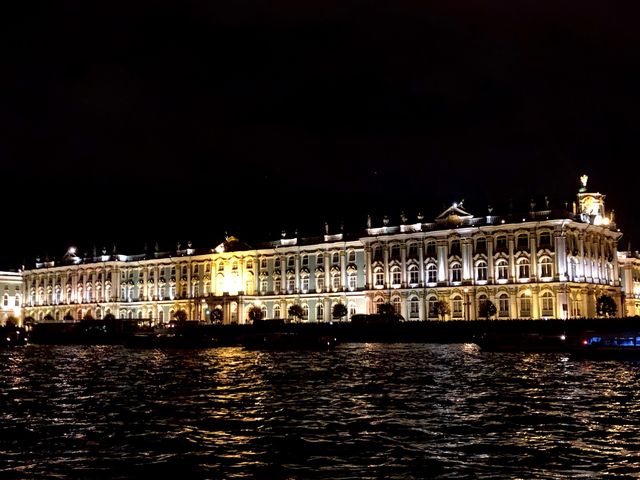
column 361, row 411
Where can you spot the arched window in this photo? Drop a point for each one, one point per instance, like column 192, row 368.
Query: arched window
column 319, row 311
column 525, row 306
column 397, row 306
column 481, row 271
column 545, row 267
column 395, row 252
column 457, row 306
column 456, row 272
column 431, row 307
column 503, row 305
column 378, row 277
column 545, row 240
column 502, row 269
column 432, row 273
column 305, row 311
column 523, row 268
column 414, row 274
column 395, row 275
column 481, row 245
column 276, row 311
column 320, row 259
column 161, row 316
column 414, row 308
column 379, row 302
column 455, row 247
column 547, row 304
column 431, row 249
column 335, row 258
column 413, row 251
column 522, row 242
column 335, row 280
column 352, row 256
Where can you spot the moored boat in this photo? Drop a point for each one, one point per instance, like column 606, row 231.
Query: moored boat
column 522, row 342
column 608, row 345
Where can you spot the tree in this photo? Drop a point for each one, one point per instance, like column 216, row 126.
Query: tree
column 88, row 316
column 606, row 306
column 487, row 309
column 386, row 309
column 296, row 311
column 48, row 318
column 11, row 322
column 339, row 310
column 441, row 309
column 180, row 316
column 68, row 317
column 109, row 317
column 217, row 315
column 255, row 313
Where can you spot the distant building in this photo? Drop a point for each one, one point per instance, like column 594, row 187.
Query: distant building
column 11, row 289
column 629, row 263
column 542, row 263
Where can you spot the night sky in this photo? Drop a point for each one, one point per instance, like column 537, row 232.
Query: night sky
column 136, row 122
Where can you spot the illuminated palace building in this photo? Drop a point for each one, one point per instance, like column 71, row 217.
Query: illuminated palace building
column 546, row 263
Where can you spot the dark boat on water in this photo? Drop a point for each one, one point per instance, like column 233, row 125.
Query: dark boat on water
column 12, row 336
column 523, row 342
column 608, row 345
column 288, row 341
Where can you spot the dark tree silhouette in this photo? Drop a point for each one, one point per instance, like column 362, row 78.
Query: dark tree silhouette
column 296, row 311
column 487, row 309
column 606, row 306
column 180, row 316
column 255, row 313
column 339, row 310
column 441, row 309
column 386, row 309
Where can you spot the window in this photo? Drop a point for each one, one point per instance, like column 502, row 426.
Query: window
column 335, row 280
column 17, row 300
column 5, row 300
column 545, row 267
column 431, row 249
column 431, row 307
column 305, row 260
column 263, row 263
column 481, row 245
column 276, row 311
column 545, row 240
column 291, row 284
column 335, row 258
column 263, row 285
column 305, row 312
column 320, row 283
column 457, row 306
column 432, row 273
column 413, row 251
column 378, row 277
column 456, row 272
column 523, row 269
column 319, row 312
column 352, row 256
column 573, row 269
column 523, row 242
column 320, row 259
column 276, row 263
column 379, row 303
column 291, row 262
column 396, row 305
column 502, row 269
column 413, row 274
column 352, row 281
column 395, row 275
column 414, row 308
column 395, row 252
column 547, row 304
column 305, row 284
column 501, row 244
column 525, row 306
column 276, row 285
column 481, row 271
column 455, row 248
column 249, row 264
column 503, row 305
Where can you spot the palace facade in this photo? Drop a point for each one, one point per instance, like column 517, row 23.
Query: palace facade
column 546, row 263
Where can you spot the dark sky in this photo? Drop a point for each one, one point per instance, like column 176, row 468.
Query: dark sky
column 131, row 122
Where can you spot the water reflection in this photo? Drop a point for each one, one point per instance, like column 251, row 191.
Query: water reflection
column 359, row 411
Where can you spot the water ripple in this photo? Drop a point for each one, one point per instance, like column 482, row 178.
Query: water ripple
column 406, row 411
